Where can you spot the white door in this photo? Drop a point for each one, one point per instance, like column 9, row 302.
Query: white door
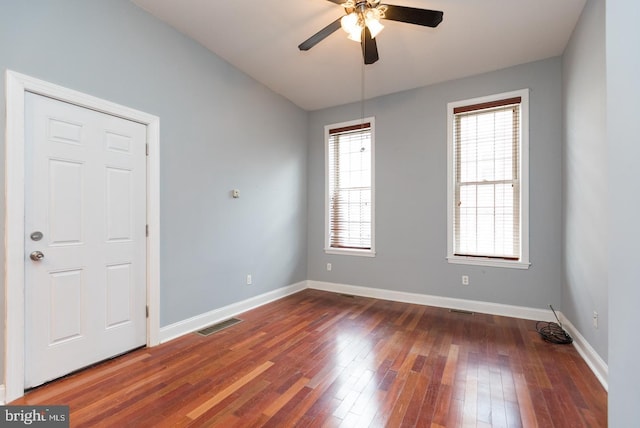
column 85, row 217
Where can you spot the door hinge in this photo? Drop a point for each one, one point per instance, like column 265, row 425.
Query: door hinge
column 147, row 149
column 146, row 230
column 147, row 311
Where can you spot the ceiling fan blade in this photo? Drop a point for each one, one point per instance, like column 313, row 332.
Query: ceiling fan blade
column 412, row 15
column 337, row 1
column 319, row 36
column 369, row 47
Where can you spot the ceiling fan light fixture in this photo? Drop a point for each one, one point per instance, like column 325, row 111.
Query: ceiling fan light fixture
column 351, row 24
column 356, row 36
column 354, row 22
column 372, row 19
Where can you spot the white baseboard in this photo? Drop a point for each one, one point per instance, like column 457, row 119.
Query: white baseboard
column 198, row 322
column 590, row 356
column 586, row 351
column 441, row 302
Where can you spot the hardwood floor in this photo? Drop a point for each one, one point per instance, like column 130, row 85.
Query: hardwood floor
column 321, row 359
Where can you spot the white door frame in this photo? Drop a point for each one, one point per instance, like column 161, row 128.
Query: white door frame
column 16, row 86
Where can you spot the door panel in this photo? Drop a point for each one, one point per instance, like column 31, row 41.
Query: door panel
column 119, row 294
column 65, row 201
column 119, row 210
column 85, row 191
column 65, row 289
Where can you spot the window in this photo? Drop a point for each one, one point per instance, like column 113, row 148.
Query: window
column 350, row 188
column 488, row 181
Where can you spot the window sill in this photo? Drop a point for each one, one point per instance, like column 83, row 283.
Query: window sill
column 346, row 252
column 479, row 261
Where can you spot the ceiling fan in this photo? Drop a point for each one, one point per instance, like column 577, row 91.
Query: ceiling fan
column 362, row 22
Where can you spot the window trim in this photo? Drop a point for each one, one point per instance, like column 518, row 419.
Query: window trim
column 327, row 205
column 523, row 262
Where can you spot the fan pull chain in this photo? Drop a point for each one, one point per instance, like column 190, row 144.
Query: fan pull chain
column 362, row 85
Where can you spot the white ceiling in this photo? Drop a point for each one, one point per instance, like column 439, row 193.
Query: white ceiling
column 260, row 37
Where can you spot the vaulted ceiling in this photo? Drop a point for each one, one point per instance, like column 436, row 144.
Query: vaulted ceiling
column 261, row 38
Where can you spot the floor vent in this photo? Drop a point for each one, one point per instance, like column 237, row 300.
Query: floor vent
column 461, row 311
column 350, row 296
column 219, row 326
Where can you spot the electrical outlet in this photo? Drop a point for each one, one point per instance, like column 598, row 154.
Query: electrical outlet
column 328, row 266
column 465, row 279
column 595, row 319
column 249, row 279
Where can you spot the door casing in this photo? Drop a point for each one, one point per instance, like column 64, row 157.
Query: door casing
column 16, row 85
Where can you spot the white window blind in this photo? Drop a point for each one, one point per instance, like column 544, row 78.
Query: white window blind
column 487, row 179
column 349, row 187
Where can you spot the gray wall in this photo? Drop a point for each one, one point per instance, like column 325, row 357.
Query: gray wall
column 411, row 193
column 585, row 178
column 219, row 130
column 623, row 142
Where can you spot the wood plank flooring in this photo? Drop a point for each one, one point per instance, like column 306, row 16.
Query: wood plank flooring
column 318, row 359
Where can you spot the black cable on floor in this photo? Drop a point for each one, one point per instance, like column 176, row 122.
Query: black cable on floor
column 553, row 333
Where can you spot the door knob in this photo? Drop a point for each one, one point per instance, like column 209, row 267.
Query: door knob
column 36, row 256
